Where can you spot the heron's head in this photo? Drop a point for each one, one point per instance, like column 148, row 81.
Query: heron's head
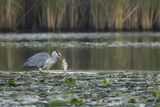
column 58, row 54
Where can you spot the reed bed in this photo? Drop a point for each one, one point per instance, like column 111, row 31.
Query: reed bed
column 10, row 11
column 80, row 15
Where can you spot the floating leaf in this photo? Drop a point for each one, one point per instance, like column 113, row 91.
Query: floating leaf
column 156, row 93
column 42, row 94
column 157, row 105
column 76, row 101
column 119, row 94
column 41, row 80
column 12, row 82
column 105, row 82
column 58, row 103
column 70, row 80
column 132, row 100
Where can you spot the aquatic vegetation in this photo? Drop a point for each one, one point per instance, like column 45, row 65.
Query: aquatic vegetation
column 42, row 94
column 12, row 82
column 131, row 100
column 41, row 80
column 76, row 101
column 70, row 80
column 105, row 82
column 157, row 105
column 58, row 103
column 119, row 94
column 156, row 93
column 91, row 89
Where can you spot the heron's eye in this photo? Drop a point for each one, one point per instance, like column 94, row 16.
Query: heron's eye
column 58, row 53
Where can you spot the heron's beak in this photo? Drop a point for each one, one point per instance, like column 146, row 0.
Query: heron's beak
column 60, row 57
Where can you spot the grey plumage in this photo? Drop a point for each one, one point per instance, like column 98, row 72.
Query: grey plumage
column 43, row 60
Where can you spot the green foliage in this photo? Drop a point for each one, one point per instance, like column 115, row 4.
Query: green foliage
column 132, row 100
column 156, row 93
column 76, row 101
column 58, row 103
column 12, row 82
column 10, row 11
column 157, row 105
column 105, row 82
column 41, row 80
column 70, row 80
column 119, row 94
column 78, row 14
column 42, row 94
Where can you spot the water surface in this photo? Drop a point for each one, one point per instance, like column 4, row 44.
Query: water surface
column 84, row 51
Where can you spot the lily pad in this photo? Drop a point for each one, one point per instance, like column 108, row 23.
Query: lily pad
column 105, row 82
column 58, row 103
column 76, row 101
column 12, row 82
column 70, row 80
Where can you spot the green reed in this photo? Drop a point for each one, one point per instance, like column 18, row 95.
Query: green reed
column 79, row 15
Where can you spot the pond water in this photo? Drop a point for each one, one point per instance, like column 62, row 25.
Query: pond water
column 105, row 69
column 84, row 51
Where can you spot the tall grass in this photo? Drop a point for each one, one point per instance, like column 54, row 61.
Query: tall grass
column 147, row 14
column 131, row 15
column 10, row 11
column 52, row 13
column 74, row 15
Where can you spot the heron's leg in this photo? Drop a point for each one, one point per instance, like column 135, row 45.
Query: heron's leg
column 40, row 69
column 26, row 72
column 46, row 70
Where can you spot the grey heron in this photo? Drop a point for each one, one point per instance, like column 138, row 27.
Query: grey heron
column 43, row 60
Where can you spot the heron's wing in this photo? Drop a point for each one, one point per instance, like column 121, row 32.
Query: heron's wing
column 37, row 59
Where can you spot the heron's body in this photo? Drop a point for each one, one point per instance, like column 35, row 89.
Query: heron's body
column 42, row 60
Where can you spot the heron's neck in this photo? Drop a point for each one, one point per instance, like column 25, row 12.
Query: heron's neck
column 54, row 58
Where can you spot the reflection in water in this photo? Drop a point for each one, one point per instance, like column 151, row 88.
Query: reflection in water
column 85, row 55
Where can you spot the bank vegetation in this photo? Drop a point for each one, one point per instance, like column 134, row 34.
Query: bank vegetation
column 80, row 15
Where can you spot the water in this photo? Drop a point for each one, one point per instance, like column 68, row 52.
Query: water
column 94, row 89
column 84, row 51
column 90, row 57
